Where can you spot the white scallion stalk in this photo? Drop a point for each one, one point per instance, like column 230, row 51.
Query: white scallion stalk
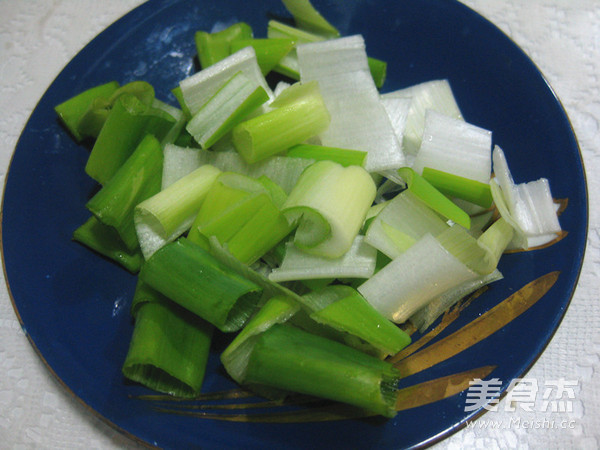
column 404, row 220
column 329, row 203
column 455, row 146
column 358, row 262
column 436, row 95
column 424, row 317
column 163, row 217
column 200, row 87
column 413, row 279
column 283, row 170
column 238, row 97
column 359, row 121
column 397, row 109
column 528, row 207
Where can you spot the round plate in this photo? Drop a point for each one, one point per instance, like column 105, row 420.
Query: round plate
column 73, row 304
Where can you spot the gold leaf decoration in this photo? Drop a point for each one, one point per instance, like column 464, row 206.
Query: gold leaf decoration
column 480, row 328
column 438, row 389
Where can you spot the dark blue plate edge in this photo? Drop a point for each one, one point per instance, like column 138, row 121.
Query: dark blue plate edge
column 141, row 9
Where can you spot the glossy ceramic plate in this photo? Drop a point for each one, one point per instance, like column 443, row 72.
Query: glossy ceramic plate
column 74, row 305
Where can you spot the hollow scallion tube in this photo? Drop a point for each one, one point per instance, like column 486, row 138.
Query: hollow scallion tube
column 191, row 277
column 93, row 120
column 72, row 110
column 240, row 213
column 213, row 47
column 136, row 180
column 302, row 116
column 329, row 203
column 168, row 350
column 105, row 240
column 168, row 214
column 126, row 125
column 237, row 98
column 285, row 357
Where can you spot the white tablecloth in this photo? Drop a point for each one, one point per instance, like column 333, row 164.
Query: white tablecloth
column 37, row 38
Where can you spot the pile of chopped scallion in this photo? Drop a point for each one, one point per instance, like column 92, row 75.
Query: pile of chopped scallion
column 310, row 218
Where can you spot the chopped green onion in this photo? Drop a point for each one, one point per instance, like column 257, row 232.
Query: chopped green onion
column 200, row 87
column 278, row 309
column 232, row 102
column 136, row 180
column 344, row 309
column 106, row 241
column 287, row 358
column 425, row 316
column 168, row 350
column 268, row 51
column 403, row 220
column 282, row 170
column 456, row 186
column 528, row 207
column 455, row 146
column 191, row 277
column 300, row 116
column 358, row 119
column 430, row 95
column 329, row 202
column 308, row 18
column 288, row 65
column 240, row 213
column 214, row 47
column 72, row 110
column 433, row 198
column 343, row 156
column 128, row 122
column 414, row 278
column 168, row 214
column 357, row 262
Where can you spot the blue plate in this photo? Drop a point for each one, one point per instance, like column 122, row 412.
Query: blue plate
column 73, row 305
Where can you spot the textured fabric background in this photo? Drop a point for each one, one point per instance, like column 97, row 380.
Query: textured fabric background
column 38, row 37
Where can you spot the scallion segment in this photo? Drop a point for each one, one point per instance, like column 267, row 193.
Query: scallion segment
column 268, row 51
column 72, row 110
column 168, row 349
column 191, row 277
column 105, row 240
column 414, row 278
column 232, row 102
column 126, row 125
column 329, row 203
column 460, row 187
column 287, row 358
column 298, row 118
column 437, row 201
column 214, row 47
column 240, row 212
column 168, row 214
column 344, row 309
column 136, row 180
